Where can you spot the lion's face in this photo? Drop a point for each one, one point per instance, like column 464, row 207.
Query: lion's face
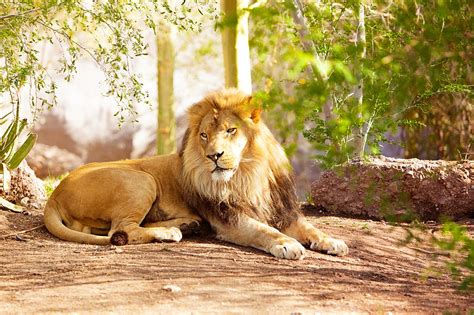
column 223, row 139
column 229, row 154
column 230, row 157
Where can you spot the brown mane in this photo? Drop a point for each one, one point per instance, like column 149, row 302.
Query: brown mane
column 262, row 187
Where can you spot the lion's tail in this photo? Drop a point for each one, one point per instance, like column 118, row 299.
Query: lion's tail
column 54, row 224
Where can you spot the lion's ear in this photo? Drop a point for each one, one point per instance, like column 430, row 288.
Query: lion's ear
column 255, row 115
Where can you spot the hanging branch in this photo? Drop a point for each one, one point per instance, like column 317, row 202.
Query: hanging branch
column 15, row 15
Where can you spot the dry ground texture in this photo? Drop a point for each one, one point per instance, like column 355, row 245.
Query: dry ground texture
column 41, row 274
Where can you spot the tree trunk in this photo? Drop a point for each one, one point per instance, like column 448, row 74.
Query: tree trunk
column 360, row 137
column 309, row 47
column 398, row 189
column 235, row 44
column 165, row 137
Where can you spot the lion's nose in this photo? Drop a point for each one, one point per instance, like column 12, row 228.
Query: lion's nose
column 214, row 157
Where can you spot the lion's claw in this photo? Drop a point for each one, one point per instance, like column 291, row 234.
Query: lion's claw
column 331, row 246
column 288, row 250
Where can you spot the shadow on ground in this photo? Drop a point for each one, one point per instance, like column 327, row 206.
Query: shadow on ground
column 43, row 274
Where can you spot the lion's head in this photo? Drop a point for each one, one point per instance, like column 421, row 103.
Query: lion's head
column 230, row 156
column 223, row 124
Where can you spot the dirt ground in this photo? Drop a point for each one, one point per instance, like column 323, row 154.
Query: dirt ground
column 41, row 274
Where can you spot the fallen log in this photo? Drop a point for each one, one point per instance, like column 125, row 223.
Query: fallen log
column 398, row 189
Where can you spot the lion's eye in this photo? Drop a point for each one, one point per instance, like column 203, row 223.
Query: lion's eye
column 231, row 130
column 203, row 136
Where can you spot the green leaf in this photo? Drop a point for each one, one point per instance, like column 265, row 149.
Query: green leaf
column 9, row 137
column 11, row 145
column 10, row 206
column 23, row 151
column 6, row 133
column 4, row 118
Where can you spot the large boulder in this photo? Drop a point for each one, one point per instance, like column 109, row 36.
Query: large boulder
column 400, row 189
column 25, row 188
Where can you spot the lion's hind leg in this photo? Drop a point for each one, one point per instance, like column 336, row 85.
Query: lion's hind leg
column 308, row 235
column 78, row 226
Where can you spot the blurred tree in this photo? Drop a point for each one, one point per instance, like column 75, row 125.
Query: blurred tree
column 447, row 130
column 235, row 46
column 412, row 49
column 165, row 137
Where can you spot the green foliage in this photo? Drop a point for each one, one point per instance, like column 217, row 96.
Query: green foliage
column 456, row 240
column 111, row 32
column 11, row 155
column 413, row 49
column 51, row 182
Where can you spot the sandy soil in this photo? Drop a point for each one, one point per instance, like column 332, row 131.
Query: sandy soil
column 41, row 274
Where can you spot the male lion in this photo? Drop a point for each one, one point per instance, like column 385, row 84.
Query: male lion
column 230, row 171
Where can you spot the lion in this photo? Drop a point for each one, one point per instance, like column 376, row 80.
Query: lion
column 230, row 171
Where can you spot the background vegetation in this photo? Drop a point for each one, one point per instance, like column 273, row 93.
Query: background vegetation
column 334, row 84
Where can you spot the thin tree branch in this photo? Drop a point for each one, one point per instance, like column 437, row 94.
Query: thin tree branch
column 22, row 232
column 15, row 15
column 72, row 41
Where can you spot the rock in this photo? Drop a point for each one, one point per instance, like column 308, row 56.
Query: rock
column 402, row 189
column 26, row 189
column 172, row 288
column 48, row 160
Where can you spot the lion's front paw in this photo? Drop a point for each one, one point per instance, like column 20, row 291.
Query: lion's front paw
column 331, row 246
column 172, row 234
column 290, row 249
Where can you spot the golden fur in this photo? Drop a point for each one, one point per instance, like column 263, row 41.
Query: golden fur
column 262, row 158
column 256, row 205
column 230, row 171
column 141, row 199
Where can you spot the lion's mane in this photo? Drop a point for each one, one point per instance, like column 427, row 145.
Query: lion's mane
column 262, row 187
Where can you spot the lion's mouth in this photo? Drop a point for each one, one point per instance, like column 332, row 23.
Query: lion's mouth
column 222, row 169
column 222, row 174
